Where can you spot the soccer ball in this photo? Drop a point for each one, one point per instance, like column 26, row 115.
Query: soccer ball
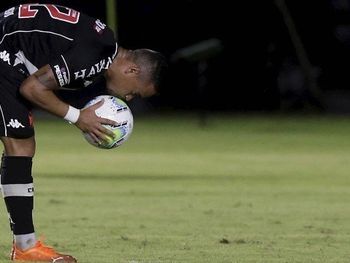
column 117, row 110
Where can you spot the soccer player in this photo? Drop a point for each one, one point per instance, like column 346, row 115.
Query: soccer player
column 44, row 48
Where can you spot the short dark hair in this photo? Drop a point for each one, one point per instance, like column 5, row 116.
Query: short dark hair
column 152, row 62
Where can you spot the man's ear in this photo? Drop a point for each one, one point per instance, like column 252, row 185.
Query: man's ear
column 133, row 69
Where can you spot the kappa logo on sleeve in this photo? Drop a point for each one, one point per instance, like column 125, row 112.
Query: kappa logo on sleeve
column 99, row 26
column 5, row 56
column 9, row 12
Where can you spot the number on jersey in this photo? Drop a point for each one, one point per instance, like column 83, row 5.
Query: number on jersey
column 31, row 10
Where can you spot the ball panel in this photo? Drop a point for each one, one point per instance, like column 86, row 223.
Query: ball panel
column 117, row 110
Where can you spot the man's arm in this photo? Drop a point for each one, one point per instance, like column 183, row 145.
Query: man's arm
column 39, row 89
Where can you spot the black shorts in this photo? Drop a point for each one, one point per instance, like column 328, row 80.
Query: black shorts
column 15, row 111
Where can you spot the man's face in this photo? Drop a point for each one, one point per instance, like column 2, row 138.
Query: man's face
column 124, row 82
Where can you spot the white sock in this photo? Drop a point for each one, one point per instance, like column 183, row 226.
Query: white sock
column 26, row 241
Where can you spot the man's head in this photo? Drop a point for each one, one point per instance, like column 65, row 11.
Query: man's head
column 135, row 73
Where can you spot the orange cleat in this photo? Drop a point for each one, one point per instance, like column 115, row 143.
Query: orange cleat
column 40, row 253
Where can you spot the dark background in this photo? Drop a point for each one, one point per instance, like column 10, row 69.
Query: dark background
column 256, row 67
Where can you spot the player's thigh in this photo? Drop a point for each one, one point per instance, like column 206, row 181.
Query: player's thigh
column 16, row 119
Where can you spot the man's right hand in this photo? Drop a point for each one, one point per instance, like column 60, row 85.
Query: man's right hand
column 92, row 124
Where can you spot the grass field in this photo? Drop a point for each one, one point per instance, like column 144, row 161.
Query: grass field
column 242, row 189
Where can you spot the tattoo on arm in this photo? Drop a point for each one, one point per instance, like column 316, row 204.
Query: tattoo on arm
column 46, row 77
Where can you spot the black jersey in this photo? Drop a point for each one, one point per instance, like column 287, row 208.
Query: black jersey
column 77, row 47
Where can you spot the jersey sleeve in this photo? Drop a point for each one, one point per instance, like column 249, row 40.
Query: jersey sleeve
column 85, row 60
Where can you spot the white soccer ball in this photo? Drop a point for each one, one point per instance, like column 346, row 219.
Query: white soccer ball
column 117, row 110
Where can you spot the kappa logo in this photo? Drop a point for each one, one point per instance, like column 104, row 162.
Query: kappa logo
column 9, row 12
column 5, row 56
column 99, row 26
column 14, row 123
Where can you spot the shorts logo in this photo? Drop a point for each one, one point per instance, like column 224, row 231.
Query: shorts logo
column 14, row 123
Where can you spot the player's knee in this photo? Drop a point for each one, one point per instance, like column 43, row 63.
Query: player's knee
column 19, row 147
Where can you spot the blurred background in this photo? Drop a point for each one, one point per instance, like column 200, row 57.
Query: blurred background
column 274, row 55
column 265, row 180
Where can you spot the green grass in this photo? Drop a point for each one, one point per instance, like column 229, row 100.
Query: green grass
column 242, row 189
